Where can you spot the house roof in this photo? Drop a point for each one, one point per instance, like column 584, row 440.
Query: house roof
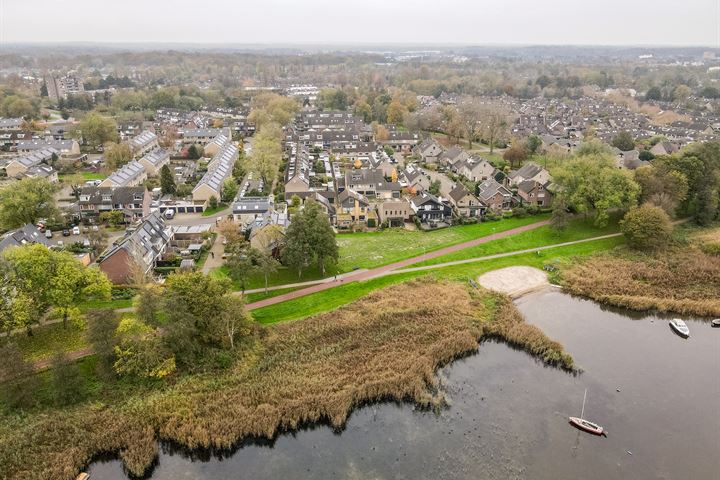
column 459, row 192
column 219, row 168
column 118, row 195
column 126, row 174
column 146, row 243
column 60, row 145
column 251, row 205
column 145, row 138
column 27, row 234
column 156, row 156
column 490, row 188
column 35, row 158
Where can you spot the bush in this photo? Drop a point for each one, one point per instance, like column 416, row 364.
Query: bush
column 712, row 248
column 647, row 226
column 519, row 212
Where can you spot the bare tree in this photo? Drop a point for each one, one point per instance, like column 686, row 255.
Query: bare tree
column 494, row 122
column 471, row 113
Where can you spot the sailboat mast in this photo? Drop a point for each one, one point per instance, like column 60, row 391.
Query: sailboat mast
column 583, row 407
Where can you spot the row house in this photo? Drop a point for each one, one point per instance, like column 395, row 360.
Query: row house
column 372, row 184
column 20, row 165
column 297, row 172
column 394, row 212
column 138, row 253
column 220, row 169
column 202, row 136
column 133, row 202
column 144, row 143
column 401, row 141
column 131, row 174
column 154, row 160
column 65, row 148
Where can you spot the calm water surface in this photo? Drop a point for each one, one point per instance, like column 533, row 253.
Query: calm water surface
column 508, row 417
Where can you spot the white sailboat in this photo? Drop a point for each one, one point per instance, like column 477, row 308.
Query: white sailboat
column 586, row 425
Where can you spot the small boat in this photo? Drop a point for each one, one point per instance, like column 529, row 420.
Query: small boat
column 586, row 425
column 715, row 323
column 82, row 476
column 680, row 327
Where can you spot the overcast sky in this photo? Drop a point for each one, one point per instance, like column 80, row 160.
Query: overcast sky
column 475, row 22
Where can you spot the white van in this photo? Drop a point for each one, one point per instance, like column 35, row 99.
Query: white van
column 169, row 213
column 76, row 230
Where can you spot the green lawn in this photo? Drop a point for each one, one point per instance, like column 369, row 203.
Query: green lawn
column 85, row 175
column 578, row 229
column 336, row 297
column 374, row 249
column 255, row 297
column 208, row 212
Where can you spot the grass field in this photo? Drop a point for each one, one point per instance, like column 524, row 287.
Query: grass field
column 47, row 340
column 577, row 230
column 375, row 249
column 333, row 298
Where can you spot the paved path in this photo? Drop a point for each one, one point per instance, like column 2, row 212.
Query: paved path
column 376, row 272
column 303, row 284
column 214, row 258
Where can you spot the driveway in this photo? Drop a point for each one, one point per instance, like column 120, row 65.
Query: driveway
column 446, row 185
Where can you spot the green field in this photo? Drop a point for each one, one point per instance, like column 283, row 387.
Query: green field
column 577, row 230
column 375, row 249
column 333, row 298
column 209, row 212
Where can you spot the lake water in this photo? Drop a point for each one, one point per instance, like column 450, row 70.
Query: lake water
column 508, row 414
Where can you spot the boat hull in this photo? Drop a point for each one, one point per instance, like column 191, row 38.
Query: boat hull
column 683, row 332
column 586, row 426
column 715, row 323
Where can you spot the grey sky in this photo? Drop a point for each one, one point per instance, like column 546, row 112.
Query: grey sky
column 598, row 22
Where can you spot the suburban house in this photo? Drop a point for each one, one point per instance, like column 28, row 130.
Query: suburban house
column 138, row 253
column 428, row 150
column 268, row 233
column 247, row 209
column 629, row 160
column 25, row 235
column 353, row 208
column 400, row 141
column 144, row 143
column 495, row 195
column 383, row 163
column 466, row 204
column 219, row 169
column 413, row 179
column 535, row 193
column 41, row 171
column 134, row 202
column 431, row 210
column 154, row 160
column 371, row 183
column 297, row 179
column 530, row 171
column 20, row 165
column 217, row 144
column 10, row 138
column 129, row 175
column 475, row 169
column 453, row 155
column 394, row 212
column 66, row 148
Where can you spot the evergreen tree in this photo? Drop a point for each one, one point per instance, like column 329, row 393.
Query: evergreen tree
column 167, row 182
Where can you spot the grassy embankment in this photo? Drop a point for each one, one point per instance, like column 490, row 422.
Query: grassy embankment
column 333, row 298
column 684, row 279
column 374, row 249
column 386, row 346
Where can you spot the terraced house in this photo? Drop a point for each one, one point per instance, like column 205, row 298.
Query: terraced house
column 144, row 143
column 133, row 202
column 154, row 160
column 354, row 209
column 219, row 169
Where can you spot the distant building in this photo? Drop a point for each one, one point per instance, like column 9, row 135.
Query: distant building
column 19, row 165
column 247, row 209
column 154, row 160
column 144, row 143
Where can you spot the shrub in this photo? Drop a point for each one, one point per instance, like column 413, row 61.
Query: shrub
column 647, row 226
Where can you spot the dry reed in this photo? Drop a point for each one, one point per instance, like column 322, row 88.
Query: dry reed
column 684, row 281
column 387, row 345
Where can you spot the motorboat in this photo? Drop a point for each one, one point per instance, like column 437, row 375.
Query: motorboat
column 679, row 327
column 715, row 323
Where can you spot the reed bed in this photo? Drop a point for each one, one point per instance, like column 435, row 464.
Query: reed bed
column 386, row 346
column 685, row 281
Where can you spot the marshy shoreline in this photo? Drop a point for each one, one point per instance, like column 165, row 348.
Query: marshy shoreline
column 385, row 347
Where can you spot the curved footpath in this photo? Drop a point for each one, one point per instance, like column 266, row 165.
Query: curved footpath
column 377, row 272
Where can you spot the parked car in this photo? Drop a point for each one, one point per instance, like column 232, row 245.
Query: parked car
column 66, row 233
column 48, row 233
column 95, row 228
column 169, row 213
column 76, row 230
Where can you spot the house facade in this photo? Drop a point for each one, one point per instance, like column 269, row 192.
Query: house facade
column 133, row 202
